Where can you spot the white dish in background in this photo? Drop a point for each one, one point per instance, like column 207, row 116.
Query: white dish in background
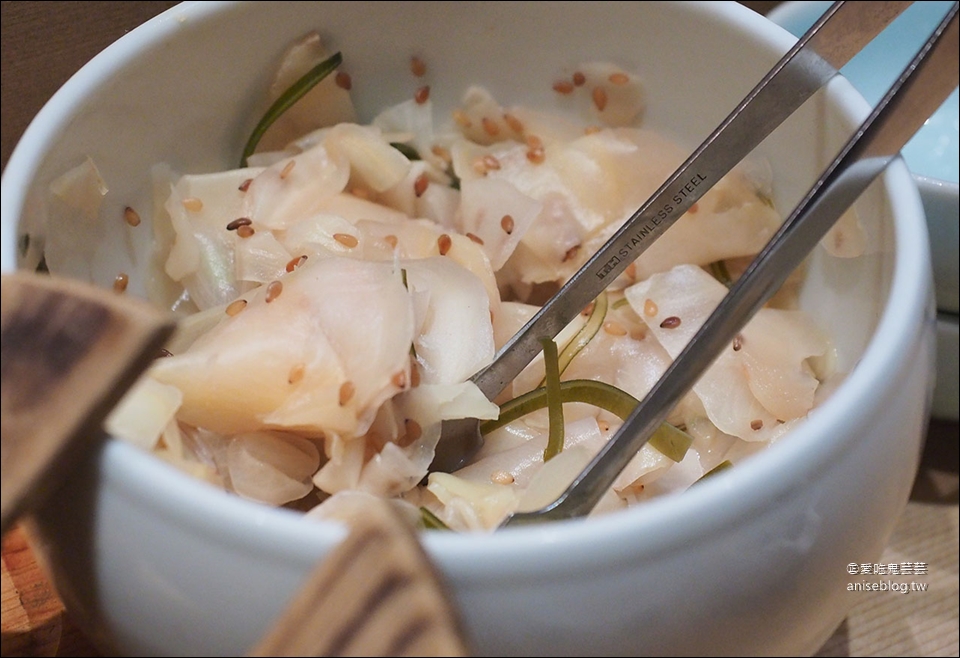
column 933, row 156
column 940, row 201
column 942, row 208
column 947, row 390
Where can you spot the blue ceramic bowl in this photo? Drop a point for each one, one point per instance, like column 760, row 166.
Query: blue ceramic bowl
column 932, row 155
column 933, row 151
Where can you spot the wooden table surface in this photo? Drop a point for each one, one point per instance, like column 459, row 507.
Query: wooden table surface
column 43, row 44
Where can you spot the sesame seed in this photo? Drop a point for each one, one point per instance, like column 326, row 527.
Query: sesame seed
column 413, row 432
column 506, row 223
column 600, row 98
column 295, row 262
column 588, row 309
column 296, row 373
column 592, row 130
column 399, row 379
column 479, row 167
column 391, row 240
column 274, row 288
column 737, row 342
column 441, row 153
column 413, row 429
column 515, row 124
column 502, row 477
column 245, row 185
column 347, row 240
column 347, row 391
column 237, row 223
column 650, row 308
column 490, row 126
column 475, row 238
column 631, row 271
column 444, row 243
column 343, row 80
column 838, row 240
column 131, row 216
column 571, row 253
column 670, row 323
column 614, row 329
column 414, row 375
column 619, row 78
column 533, row 141
column 579, row 79
column 193, row 204
column 372, row 446
column 491, row 162
column 693, row 209
column 360, row 192
column 120, row 282
column 756, row 425
column 422, row 95
column 236, row 306
column 245, row 231
column 420, row 185
column 563, row 87
column 638, row 333
column 417, row 66
column 603, row 425
column 287, row 168
column 536, row 155
column 461, row 118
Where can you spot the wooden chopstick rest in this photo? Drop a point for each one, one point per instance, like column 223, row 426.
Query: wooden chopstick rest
column 69, row 353
column 70, row 350
column 376, row 594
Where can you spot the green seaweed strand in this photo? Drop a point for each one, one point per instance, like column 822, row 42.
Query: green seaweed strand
column 296, row 91
column 667, row 439
column 722, row 466
column 720, row 272
column 554, row 401
column 431, row 521
column 597, row 315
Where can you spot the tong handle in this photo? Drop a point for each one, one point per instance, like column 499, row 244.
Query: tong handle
column 843, row 30
column 923, row 86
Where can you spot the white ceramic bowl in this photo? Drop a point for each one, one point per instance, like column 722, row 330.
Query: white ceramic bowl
column 932, row 155
column 752, row 562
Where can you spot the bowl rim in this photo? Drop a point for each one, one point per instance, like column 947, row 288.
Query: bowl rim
column 26, row 157
column 939, row 184
column 202, row 508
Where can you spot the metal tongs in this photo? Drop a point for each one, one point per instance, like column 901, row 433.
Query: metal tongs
column 843, row 30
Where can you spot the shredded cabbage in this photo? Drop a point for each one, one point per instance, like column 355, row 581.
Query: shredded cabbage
column 332, row 330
